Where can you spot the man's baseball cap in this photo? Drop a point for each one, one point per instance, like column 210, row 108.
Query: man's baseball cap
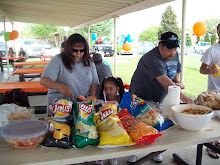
column 97, row 57
column 170, row 40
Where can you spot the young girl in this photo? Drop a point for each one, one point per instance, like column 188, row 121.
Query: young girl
column 112, row 89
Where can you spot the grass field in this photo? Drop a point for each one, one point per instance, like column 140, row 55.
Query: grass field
column 194, row 81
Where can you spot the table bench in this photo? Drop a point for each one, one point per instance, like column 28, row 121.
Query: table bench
column 44, row 57
column 28, row 73
column 31, row 63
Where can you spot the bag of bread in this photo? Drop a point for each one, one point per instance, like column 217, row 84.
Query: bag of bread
column 140, row 133
column 140, row 109
column 85, row 132
column 112, row 132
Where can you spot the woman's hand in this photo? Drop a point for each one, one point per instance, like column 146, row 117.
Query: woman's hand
column 65, row 90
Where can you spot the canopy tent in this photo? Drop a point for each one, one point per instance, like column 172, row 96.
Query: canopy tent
column 73, row 13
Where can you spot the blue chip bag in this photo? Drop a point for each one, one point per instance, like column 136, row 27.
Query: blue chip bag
column 140, row 109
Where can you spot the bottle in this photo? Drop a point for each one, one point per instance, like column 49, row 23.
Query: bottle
column 218, row 73
column 171, row 99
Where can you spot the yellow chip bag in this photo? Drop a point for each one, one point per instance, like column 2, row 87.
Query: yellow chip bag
column 111, row 130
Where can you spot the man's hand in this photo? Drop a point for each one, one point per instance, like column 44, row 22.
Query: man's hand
column 186, row 99
column 213, row 69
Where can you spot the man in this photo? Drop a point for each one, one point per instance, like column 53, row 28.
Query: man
column 63, row 44
column 103, row 70
column 158, row 69
column 209, row 59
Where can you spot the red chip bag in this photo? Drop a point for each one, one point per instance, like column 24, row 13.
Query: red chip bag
column 140, row 133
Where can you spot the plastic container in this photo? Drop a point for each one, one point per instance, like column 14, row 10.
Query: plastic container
column 218, row 73
column 25, row 134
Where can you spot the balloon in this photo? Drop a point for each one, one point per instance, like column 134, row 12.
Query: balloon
column 13, row 35
column 92, row 42
column 128, row 38
column 6, row 36
column 118, row 48
column 126, row 47
column 199, row 28
column 94, row 36
column 99, row 41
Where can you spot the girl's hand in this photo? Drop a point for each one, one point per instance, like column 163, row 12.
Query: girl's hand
column 65, row 90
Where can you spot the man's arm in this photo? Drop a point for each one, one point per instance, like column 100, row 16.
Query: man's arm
column 205, row 69
column 166, row 82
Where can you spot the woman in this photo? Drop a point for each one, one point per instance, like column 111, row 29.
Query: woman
column 11, row 53
column 71, row 73
column 21, row 54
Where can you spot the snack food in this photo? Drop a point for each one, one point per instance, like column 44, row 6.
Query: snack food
column 59, row 134
column 85, row 132
column 208, row 98
column 139, row 132
column 195, row 111
column 112, row 132
column 91, row 98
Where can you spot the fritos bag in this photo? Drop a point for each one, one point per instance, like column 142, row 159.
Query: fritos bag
column 85, row 132
column 139, row 132
column 140, row 109
column 59, row 134
column 112, row 132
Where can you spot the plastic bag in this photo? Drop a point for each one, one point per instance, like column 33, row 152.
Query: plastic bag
column 85, row 132
column 140, row 109
column 139, row 132
column 112, row 132
column 60, row 131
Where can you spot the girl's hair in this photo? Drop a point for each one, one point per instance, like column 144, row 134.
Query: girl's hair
column 67, row 55
column 115, row 81
column 16, row 96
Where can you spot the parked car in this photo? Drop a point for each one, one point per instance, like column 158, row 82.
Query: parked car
column 145, row 47
column 201, row 47
column 46, row 45
column 31, row 46
column 130, row 52
column 106, row 48
column 3, row 48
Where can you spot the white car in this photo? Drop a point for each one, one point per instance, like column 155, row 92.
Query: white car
column 46, row 45
column 201, row 47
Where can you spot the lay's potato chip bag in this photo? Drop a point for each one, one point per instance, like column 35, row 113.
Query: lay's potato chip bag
column 112, row 132
column 85, row 132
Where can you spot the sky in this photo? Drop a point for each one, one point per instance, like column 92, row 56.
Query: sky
column 134, row 23
column 196, row 10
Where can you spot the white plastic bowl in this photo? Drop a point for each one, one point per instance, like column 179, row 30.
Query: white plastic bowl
column 191, row 122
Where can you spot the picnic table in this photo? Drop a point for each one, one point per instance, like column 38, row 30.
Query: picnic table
column 174, row 137
column 12, row 58
column 28, row 73
column 31, row 63
column 33, row 86
column 44, row 57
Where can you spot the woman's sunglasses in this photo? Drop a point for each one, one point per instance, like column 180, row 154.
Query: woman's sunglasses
column 78, row 50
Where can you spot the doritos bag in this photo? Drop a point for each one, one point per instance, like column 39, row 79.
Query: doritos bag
column 85, row 132
column 112, row 132
column 139, row 132
column 140, row 109
column 59, row 134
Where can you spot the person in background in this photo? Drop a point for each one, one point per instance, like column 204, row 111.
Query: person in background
column 1, row 55
column 156, row 71
column 209, row 59
column 71, row 73
column 103, row 70
column 113, row 89
column 11, row 53
column 21, row 54
column 63, row 44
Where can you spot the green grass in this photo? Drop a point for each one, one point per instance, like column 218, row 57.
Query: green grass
column 194, row 81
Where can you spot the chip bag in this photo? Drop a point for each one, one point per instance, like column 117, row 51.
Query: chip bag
column 139, row 132
column 59, row 134
column 140, row 109
column 112, row 132
column 85, row 132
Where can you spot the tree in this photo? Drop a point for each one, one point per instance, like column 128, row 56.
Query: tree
column 212, row 24
column 207, row 39
column 103, row 28
column 188, row 40
column 169, row 22
column 149, row 34
column 213, row 39
column 198, row 39
column 2, row 32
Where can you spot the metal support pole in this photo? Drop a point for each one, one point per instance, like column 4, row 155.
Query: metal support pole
column 115, row 47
